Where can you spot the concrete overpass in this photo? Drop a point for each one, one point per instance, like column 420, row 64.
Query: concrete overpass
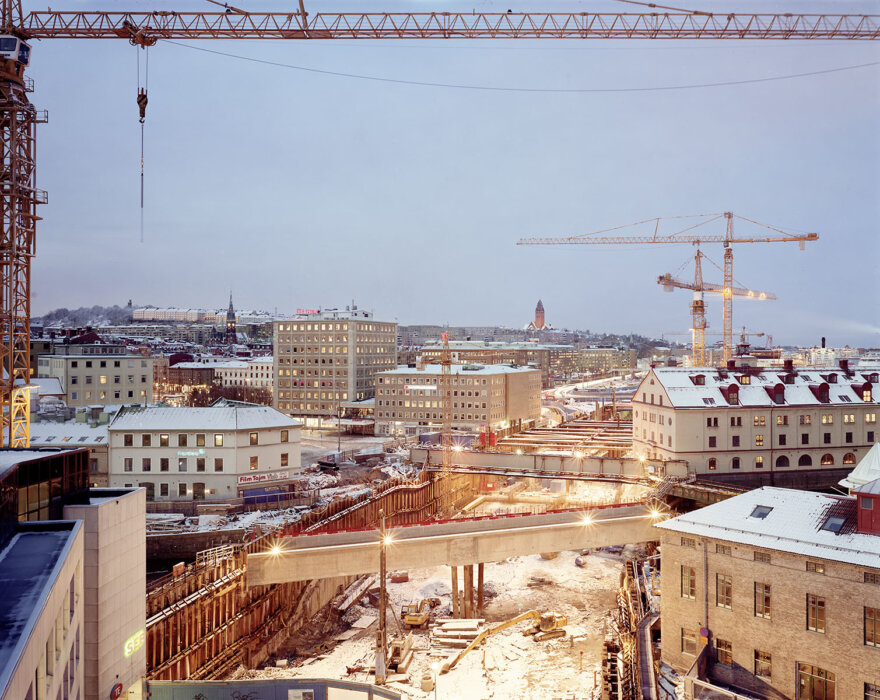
column 455, row 542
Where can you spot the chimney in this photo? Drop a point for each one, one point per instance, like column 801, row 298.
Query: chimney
column 844, row 365
column 788, row 365
column 823, row 341
column 731, row 365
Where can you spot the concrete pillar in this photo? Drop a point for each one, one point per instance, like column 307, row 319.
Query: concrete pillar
column 469, row 590
column 480, row 589
column 455, row 608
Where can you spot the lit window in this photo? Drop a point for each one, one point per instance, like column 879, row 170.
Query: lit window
column 724, row 651
column 762, row 600
column 218, row 440
column 815, row 613
column 816, row 567
column 763, row 661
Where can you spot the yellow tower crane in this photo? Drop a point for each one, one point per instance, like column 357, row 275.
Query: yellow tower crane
column 698, row 305
column 727, row 239
column 19, row 195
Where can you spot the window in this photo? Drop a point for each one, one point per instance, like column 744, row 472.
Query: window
column 128, row 440
column 284, row 459
column 870, row 418
column 181, row 464
column 827, row 419
column 872, row 627
column 782, row 439
column 871, row 577
column 763, row 557
column 849, row 458
column 724, row 651
column 781, row 461
column 762, row 600
column 826, row 438
column 723, row 590
column 181, row 490
column 827, row 459
column 128, row 464
column 872, row 692
column 713, row 464
column 254, row 463
column 781, row 420
column 722, row 549
column 163, row 440
column 763, row 661
column 146, row 440
column 814, row 683
column 805, row 438
column 181, row 439
column 688, row 542
column 163, row 490
column 218, row 464
column 254, row 439
column 200, row 440
column 218, row 440
column 759, row 462
column 712, row 422
column 147, row 464
column 815, row 613
column 688, row 582
column 759, row 440
column 806, row 420
column 759, row 421
column 163, row 464
column 688, row 642
column 734, row 441
column 284, row 436
column 734, row 463
column 712, row 441
column 805, row 461
column 816, row 567
column 849, row 417
column 200, row 464
column 736, row 421
column 102, row 379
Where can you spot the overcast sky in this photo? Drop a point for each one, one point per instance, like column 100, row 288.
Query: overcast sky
column 299, row 189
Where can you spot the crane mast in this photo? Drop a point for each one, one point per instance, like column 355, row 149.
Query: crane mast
column 446, row 402
column 19, row 196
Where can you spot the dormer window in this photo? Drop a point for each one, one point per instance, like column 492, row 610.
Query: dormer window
column 699, row 379
column 733, row 398
column 745, row 379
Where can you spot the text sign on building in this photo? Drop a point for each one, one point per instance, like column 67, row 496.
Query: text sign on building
column 133, row 643
column 260, row 478
column 307, row 312
column 190, row 453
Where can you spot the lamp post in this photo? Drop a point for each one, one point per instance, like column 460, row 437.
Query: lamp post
column 381, row 640
column 435, row 668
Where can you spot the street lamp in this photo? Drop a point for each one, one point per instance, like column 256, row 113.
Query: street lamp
column 435, row 668
column 381, row 640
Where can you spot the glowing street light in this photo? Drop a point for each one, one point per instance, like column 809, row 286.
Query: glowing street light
column 588, row 519
column 457, row 448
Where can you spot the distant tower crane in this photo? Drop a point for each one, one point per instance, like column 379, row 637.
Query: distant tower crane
column 18, row 118
column 698, row 306
column 727, row 239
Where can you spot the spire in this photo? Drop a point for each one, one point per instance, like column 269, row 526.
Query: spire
column 231, row 310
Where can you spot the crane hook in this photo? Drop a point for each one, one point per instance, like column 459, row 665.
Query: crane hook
column 142, row 103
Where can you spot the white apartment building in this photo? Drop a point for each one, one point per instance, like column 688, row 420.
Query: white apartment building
column 100, row 379
column 484, row 397
column 184, row 453
column 329, row 357
column 258, row 373
column 758, row 425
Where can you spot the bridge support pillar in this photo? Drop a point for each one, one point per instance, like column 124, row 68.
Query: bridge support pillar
column 480, row 589
column 455, row 610
column 469, row 590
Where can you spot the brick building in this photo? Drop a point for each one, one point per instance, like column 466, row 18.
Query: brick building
column 775, row 592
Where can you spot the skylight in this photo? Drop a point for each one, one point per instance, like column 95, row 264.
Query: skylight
column 833, row 523
column 760, row 512
column 709, row 402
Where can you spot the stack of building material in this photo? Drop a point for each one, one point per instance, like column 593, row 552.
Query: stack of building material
column 455, row 633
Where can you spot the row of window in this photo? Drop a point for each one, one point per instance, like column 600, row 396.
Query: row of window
column 759, row 421
column 104, row 379
column 87, row 395
column 201, row 463
column 103, row 363
column 783, row 439
column 183, row 439
column 782, row 461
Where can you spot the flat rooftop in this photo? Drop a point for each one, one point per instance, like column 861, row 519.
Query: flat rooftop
column 28, row 566
column 10, row 456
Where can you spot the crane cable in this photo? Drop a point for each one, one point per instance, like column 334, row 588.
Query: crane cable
column 142, row 106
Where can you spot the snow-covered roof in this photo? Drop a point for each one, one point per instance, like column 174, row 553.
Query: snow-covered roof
column 801, row 387
column 477, row 370
column 46, row 386
column 185, row 418
column 458, row 345
column 68, row 434
column 867, row 470
column 794, row 523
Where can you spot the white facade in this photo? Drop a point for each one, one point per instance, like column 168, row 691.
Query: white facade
column 192, row 453
column 250, row 374
column 88, row 380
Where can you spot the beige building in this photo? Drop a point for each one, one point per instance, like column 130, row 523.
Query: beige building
column 327, row 358
column 257, row 373
column 775, row 592
column 758, row 425
column 100, row 379
column 484, row 397
column 185, row 453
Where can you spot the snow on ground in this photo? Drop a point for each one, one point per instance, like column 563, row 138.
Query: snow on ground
column 509, row 665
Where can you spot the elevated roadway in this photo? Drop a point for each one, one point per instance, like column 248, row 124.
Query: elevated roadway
column 454, row 542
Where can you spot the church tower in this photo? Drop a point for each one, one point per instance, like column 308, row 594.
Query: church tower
column 231, row 336
column 539, row 316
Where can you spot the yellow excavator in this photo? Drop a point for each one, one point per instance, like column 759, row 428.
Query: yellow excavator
column 417, row 614
column 543, row 627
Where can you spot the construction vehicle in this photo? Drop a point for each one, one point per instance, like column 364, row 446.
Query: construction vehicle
column 544, row 627
column 418, row 614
